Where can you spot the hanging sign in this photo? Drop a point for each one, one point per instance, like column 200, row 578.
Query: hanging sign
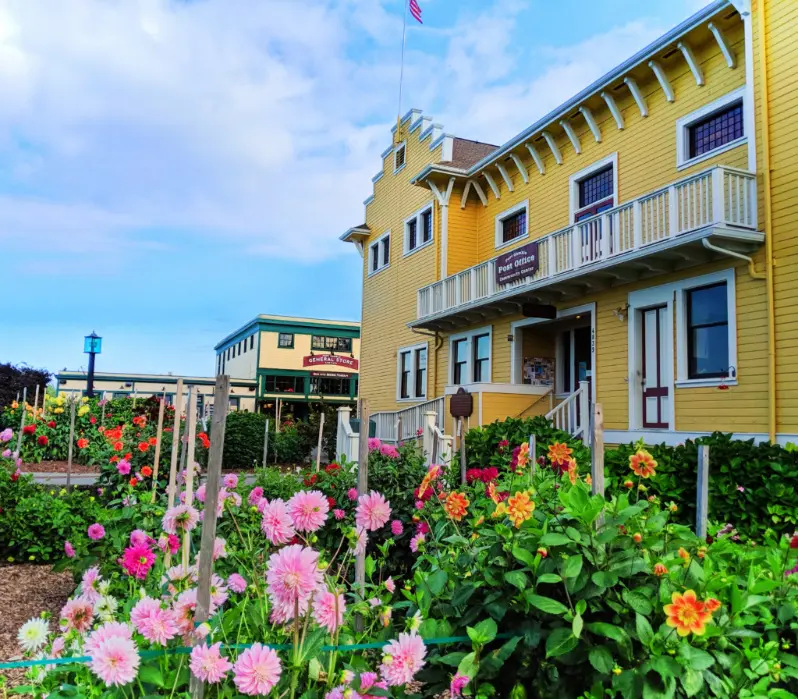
column 517, row 264
column 331, row 359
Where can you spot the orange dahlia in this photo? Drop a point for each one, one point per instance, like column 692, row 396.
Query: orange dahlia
column 643, row 464
column 559, row 452
column 523, row 457
column 456, row 505
column 430, row 476
column 687, row 614
column 660, row 570
column 712, row 605
column 520, row 508
column 573, row 475
column 500, row 511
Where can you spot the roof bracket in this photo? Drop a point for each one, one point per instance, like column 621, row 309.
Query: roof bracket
column 521, row 167
column 505, row 176
column 591, row 123
column 571, row 135
column 555, row 151
column 725, row 49
column 492, row 184
column 536, row 157
column 662, row 78
column 695, row 67
column 631, row 83
column 616, row 113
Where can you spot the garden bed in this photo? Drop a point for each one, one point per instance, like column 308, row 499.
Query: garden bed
column 58, row 467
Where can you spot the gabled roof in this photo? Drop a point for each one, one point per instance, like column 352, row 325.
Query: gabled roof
column 356, row 232
column 466, row 153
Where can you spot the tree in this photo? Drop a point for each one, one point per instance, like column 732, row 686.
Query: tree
column 14, row 379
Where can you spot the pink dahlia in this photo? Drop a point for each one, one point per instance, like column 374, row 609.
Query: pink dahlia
column 183, row 610
column 182, row 518
column 352, row 493
column 458, row 684
column 415, row 541
column 389, row 450
column 360, row 544
column 115, row 661
column 96, row 531
column 368, row 680
column 257, row 670
column 402, row 659
column 236, row 583
column 308, row 510
column 219, row 548
column 373, row 511
column 200, row 494
column 293, row 574
column 137, row 536
column 230, row 481
column 69, row 550
column 123, row 467
column 328, row 610
column 374, row 443
column 397, row 527
column 88, row 585
column 157, row 625
column 169, row 543
column 57, row 649
column 111, row 629
column 207, row 663
column 339, row 514
column 255, row 495
column 77, row 614
column 276, row 523
column 390, row 585
column 137, row 560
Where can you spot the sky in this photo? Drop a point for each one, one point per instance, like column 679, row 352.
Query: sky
column 169, row 169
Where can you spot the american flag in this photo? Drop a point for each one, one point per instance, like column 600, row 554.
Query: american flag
column 415, row 10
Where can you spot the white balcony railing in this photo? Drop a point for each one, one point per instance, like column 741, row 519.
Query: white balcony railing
column 409, row 420
column 719, row 196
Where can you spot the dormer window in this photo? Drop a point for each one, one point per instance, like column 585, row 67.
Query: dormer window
column 399, row 154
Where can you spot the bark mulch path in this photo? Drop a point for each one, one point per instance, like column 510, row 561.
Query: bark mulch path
column 26, row 591
column 57, row 467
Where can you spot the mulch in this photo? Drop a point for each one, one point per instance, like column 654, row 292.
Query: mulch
column 26, row 591
column 57, row 467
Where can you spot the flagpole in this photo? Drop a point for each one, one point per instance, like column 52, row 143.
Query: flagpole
column 402, row 70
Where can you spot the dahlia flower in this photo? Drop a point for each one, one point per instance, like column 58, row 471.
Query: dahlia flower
column 293, row 574
column 236, row 583
column 373, row 511
column 230, row 481
column 255, row 495
column 339, row 514
column 276, row 523
column 77, row 614
column 397, row 527
column 96, row 531
column 360, row 543
column 182, row 518
column 137, row 560
column 402, row 659
column 207, row 663
column 88, row 585
column 123, row 467
column 115, row 661
column 308, row 510
column 32, row 635
column 257, row 670
column 328, row 610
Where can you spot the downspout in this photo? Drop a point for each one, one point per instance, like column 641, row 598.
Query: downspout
column 766, row 182
column 731, row 253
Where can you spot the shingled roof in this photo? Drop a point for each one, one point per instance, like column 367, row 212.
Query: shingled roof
column 466, row 153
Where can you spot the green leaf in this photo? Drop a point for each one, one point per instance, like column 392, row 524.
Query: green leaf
column 484, row 632
column 560, row 642
column 524, row 555
column 469, row 665
column 462, row 594
column 554, row 539
column 547, row 604
column 644, row 631
column 453, row 659
column 549, row 578
column 577, row 625
column 601, row 659
column 616, row 633
column 371, row 566
column 696, row 658
column 151, row 674
column 517, row 579
column 572, row 567
column 604, row 578
column 437, row 581
column 692, row 682
column 637, row 602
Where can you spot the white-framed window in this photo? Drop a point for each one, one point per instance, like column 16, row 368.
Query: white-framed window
column 470, row 357
column 706, row 330
column 380, row 253
column 512, row 224
column 418, row 229
column 411, row 372
column 594, row 189
column 715, row 128
column 399, row 156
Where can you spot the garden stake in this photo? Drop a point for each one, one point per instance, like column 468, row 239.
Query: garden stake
column 318, row 447
column 22, row 421
column 183, row 442
column 461, row 428
column 597, row 462
column 158, row 437
column 702, row 492
column 170, row 491
column 221, row 395
column 265, row 443
column 399, row 431
column 191, row 434
column 35, row 402
column 362, row 487
column 533, row 454
column 71, row 445
column 276, row 427
column 44, row 402
column 102, row 409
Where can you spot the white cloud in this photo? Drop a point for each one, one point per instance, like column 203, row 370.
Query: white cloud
column 220, row 116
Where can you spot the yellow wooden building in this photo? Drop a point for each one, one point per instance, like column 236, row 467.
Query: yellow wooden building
column 633, row 247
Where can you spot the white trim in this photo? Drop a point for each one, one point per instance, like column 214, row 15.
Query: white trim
column 499, row 219
column 506, row 388
column 412, row 349
column 521, row 167
column 616, row 113
column 399, row 146
column 464, row 195
column 639, row 97
column 505, row 176
column 725, row 49
column 577, row 177
column 417, row 216
column 555, row 151
column 572, row 137
column 684, row 123
column 380, row 265
column 662, row 78
column 727, row 276
column 492, row 183
column 468, row 336
column 480, row 192
column 695, row 66
column 674, row 437
column 750, row 122
column 536, row 157
column 701, row 383
column 591, row 122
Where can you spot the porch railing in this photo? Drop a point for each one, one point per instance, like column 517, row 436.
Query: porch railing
column 718, row 196
column 411, row 420
column 573, row 414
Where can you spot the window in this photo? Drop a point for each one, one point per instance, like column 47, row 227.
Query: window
column 252, row 342
column 460, row 361
column 481, row 345
column 380, row 253
column 511, row 225
column 331, row 344
column 284, row 384
column 595, row 193
column 707, row 332
column 329, row 386
column 245, row 346
column 411, row 370
column 714, row 128
column 233, row 403
column 285, row 340
column 399, row 157
column 418, row 229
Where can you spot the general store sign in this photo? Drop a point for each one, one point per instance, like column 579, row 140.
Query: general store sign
column 521, row 262
column 330, row 360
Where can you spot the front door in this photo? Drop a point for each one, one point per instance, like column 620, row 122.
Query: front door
column 655, row 371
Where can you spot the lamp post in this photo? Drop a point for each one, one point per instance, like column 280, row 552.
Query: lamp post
column 92, row 345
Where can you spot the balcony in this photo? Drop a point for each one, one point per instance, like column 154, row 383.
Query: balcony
column 690, row 222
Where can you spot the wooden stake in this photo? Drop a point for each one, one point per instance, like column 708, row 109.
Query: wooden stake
column 461, row 426
column 318, row 446
column 170, row 491
column 208, row 538
column 35, row 402
column 362, row 488
column 265, row 442
column 22, row 421
column 71, row 445
column 399, row 431
column 102, row 408
column 191, row 434
column 183, row 442
column 533, row 454
column 702, row 492
column 44, row 402
column 158, row 437
column 597, row 466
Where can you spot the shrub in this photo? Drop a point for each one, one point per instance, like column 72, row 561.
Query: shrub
column 243, row 440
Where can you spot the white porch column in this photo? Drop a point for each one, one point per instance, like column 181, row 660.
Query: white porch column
column 428, row 434
column 584, row 412
column 341, row 441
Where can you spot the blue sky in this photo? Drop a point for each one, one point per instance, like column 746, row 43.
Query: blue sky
column 157, row 156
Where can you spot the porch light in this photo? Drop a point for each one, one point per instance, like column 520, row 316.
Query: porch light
column 510, row 338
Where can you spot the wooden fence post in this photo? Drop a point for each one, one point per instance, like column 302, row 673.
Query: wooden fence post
column 218, row 422
column 533, row 454
column 191, row 434
column 265, row 443
column 35, row 403
column 170, row 490
column 702, row 492
column 183, row 442
column 22, row 421
column 463, row 462
column 318, row 446
column 362, row 488
column 158, row 438
column 71, row 445
column 597, row 467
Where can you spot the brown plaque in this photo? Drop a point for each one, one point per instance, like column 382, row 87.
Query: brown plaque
column 461, row 404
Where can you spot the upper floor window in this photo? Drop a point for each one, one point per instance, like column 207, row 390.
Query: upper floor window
column 418, row 229
column 412, row 373
column 593, row 189
column 481, row 345
column 511, row 225
column 380, row 253
column 399, row 155
column 252, row 342
column 708, row 131
column 334, row 344
column 285, row 340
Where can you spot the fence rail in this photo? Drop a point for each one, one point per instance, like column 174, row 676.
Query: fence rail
column 411, row 420
column 718, row 196
column 572, row 415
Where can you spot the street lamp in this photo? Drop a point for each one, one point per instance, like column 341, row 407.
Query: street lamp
column 92, row 345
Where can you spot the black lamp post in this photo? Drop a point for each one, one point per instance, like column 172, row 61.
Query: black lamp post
column 92, row 345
